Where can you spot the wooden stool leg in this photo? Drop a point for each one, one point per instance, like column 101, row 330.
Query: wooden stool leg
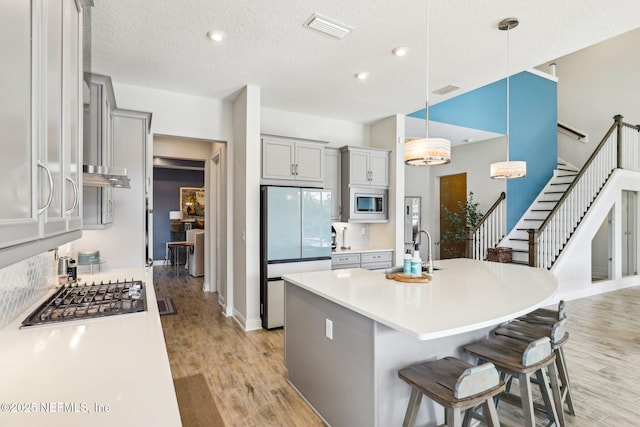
column 527, row 400
column 412, row 408
column 557, row 395
column 549, row 398
column 563, row 373
column 454, row 417
column 491, row 413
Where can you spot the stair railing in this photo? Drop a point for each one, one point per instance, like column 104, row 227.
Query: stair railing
column 488, row 232
column 619, row 149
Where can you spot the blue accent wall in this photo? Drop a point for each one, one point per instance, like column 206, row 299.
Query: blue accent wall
column 533, row 129
column 166, row 197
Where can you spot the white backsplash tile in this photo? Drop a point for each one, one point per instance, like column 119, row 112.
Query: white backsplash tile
column 23, row 283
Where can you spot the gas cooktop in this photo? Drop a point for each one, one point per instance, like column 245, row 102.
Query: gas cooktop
column 84, row 301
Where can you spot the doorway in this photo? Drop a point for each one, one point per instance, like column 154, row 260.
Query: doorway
column 629, row 224
column 453, row 192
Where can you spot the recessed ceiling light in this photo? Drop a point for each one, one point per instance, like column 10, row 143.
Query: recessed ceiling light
column 400, row 51
column 216, row 36
column 363, row 75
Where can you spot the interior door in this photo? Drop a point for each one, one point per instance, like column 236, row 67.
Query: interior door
column 629, row 226
column 453, row 190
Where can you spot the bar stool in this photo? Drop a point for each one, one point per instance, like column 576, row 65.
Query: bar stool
column 515, row 358
column 545, row 316
column 559, row 336
column 455, row 385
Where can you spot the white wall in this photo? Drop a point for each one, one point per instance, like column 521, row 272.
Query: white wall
column 246, row 209
column 595, row 84
column 178, row 114
column 122, row 244
column 571, row 268
column 474, row 159
column 295, row 125
column 389, row 133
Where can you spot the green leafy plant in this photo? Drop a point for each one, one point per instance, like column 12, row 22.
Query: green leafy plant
column 468, row 216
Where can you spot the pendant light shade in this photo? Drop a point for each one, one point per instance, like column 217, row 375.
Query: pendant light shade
column 508, row 170
column 517, row 168
column 427, row 151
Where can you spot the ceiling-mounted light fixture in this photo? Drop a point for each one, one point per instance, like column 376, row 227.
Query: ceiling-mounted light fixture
column 514, row 168
column 427, row 151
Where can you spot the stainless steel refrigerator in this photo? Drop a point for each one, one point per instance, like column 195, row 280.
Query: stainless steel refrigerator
column 295, row 227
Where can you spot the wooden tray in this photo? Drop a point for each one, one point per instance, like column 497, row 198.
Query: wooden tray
column 401, row 277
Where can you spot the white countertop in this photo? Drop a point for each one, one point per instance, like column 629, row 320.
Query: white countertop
column 64, row 374
column 463, row 296
column 356, row 250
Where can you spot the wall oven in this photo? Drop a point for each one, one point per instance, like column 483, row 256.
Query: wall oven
column 368, row 204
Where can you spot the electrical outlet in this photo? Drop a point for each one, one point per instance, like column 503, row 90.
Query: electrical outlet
column 363, row 230
column 329, row 329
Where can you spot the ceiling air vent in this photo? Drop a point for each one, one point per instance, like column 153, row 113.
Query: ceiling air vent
column 446, row 89
column 327, row 26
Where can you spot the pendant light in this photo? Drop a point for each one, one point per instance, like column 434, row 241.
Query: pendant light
column 514, row 168
column 427, row 151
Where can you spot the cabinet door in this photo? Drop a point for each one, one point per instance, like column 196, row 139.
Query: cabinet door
column 332, row 179
column 309, row 161
column 72, row 95
column 52, row 152
column 277, row 159
column 18, row 210
column 358, row 167
column 379, row 168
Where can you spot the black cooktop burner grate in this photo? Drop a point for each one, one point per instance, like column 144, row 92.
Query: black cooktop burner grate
column 90, row 301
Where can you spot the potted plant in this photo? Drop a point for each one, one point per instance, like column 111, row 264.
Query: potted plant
column 467, row 216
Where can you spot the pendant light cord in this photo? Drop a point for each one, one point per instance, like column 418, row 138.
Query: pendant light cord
column 508, row 90
column 426, row 104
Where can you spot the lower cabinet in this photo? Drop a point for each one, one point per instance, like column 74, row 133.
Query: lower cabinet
column 368, row 260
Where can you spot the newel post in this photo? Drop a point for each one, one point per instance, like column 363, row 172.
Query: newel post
column 618, row 120
column 533, row 247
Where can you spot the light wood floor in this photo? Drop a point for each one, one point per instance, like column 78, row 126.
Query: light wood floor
column 248, row 381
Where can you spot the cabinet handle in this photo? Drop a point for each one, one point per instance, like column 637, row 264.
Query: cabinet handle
column 75, row 195
column 50, row 198
column 296, row 165
column 293, row 169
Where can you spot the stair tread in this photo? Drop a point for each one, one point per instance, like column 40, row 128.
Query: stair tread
column 554, row 192
column 519, row 262
column 541, row 210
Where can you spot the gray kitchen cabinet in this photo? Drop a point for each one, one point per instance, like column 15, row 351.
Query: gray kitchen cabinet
column 341, row 261
column 332, row 180
column 98, row 150
column 365, row 166
column 292, row 160
column 369, row 260
column 40, row 122
column 376, row 260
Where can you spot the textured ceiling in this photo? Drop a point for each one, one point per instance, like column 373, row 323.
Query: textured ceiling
column 162, row 44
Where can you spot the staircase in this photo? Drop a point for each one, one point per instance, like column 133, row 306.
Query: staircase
column 539, row 210
column 544, row 231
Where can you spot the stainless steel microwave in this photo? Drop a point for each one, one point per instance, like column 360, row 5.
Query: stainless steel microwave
column 368, row 204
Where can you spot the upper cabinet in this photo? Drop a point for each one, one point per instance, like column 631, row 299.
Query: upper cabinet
column 98, row 150
column 365, row 166
column 40, row 124
column 332, row 180
column 292, row 160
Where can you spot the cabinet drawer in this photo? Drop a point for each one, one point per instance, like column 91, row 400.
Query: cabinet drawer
column 369, row 257
column 343, row 266
column 345, row 259
column 376, row 265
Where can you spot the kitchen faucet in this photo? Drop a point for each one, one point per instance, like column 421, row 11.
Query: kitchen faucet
column 416, row 244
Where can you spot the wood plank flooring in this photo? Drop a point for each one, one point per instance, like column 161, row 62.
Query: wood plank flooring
column 245, row 371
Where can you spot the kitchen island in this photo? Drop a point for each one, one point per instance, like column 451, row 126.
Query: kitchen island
column 109, row 371
column 348, row 332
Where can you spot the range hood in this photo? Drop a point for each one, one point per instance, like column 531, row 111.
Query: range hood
column 103, row 176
